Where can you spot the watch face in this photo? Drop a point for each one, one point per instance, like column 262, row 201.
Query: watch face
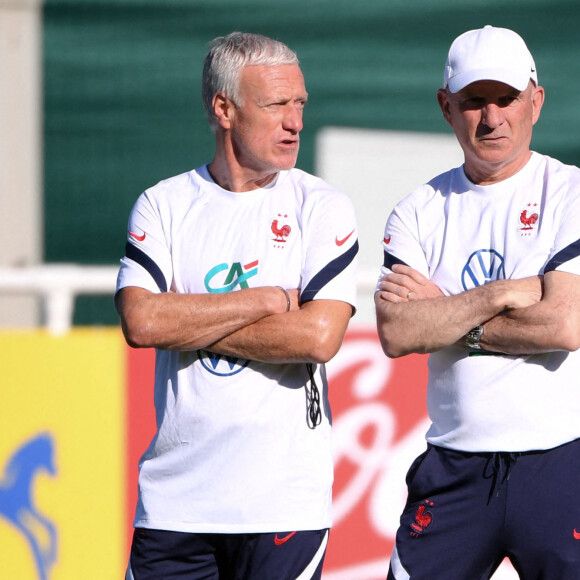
column 475, row 332
column 473, row 336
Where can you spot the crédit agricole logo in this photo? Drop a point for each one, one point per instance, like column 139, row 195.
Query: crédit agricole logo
column 216, row 281
column 237, row 275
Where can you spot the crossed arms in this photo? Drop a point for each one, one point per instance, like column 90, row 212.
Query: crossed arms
column 250, row 323
column 527, row 316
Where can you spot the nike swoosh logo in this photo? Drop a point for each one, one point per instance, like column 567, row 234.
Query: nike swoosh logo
column 340, row 242
column 138, row 238
column 279, row 541
column 387, row 240
column 576, row 534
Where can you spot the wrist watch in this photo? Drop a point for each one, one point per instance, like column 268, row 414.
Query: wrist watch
column 473, row 337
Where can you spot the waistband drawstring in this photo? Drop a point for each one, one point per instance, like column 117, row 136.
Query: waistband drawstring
column 498, row 468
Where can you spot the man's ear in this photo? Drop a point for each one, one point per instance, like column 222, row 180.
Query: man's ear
column 538, row 96
column 444, row 104
column 223, row 109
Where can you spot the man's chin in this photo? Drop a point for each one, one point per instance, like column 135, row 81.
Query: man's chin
column 287, row 164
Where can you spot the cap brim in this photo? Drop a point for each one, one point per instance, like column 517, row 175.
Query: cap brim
column 508, row 77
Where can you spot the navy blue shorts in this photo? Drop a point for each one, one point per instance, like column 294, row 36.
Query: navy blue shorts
column 163, row 555
column 466, row 512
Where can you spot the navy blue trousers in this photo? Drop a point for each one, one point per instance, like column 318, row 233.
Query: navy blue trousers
column 466, row 512
column 165, row 555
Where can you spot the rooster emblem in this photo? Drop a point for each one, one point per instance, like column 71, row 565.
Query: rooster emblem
column 527, row 220
column 423, row 518
column 280, row 232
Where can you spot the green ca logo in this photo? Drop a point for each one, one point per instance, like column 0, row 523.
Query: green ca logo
column 237, row 275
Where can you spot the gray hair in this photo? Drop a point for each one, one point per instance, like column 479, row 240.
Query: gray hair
column 229, row 55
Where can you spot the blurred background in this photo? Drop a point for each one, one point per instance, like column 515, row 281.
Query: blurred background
column 119, row 84
column 100, row 99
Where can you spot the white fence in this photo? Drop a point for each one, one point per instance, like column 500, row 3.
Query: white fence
column 58, row 285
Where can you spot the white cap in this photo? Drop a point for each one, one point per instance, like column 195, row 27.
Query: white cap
column 492, row 54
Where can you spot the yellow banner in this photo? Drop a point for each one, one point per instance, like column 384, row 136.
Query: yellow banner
column 62, row 452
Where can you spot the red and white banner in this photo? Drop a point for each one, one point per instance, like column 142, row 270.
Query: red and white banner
column 379, row 421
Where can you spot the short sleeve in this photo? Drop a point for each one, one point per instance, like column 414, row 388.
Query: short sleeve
column 330, row 248
column 147, row 260
column 401, row 240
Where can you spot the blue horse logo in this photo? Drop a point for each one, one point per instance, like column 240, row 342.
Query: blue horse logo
column 16, row 499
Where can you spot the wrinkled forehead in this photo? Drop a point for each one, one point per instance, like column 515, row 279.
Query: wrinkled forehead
column 278, row 79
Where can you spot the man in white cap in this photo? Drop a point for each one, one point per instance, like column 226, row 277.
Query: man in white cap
column 482, row 270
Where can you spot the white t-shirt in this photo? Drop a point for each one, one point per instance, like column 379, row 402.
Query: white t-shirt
column 461, row 235
column 234, row 452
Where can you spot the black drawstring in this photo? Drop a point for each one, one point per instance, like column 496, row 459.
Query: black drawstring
column 494, row 470
column 314, row 413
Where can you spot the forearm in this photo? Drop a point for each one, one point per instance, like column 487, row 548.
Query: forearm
column 430, row 324
column 192, row 321
column 532, row 330
column 552, row 324
column 312, row 334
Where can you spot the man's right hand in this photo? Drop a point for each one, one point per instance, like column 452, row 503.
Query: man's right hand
column 406, row 283
column 519, row 293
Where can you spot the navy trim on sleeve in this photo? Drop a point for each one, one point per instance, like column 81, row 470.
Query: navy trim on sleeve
column 390, row 261
column 144, row 260
column 329, row 272
column 568, row 253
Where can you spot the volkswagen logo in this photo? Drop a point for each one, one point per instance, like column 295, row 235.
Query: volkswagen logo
column 482, row 267
column 222, row 366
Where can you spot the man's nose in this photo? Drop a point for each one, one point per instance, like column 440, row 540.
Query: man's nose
column 293, row 119
column 492, row 115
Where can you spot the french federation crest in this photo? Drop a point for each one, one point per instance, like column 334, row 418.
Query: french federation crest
column 528, row 220
column 280, row 230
